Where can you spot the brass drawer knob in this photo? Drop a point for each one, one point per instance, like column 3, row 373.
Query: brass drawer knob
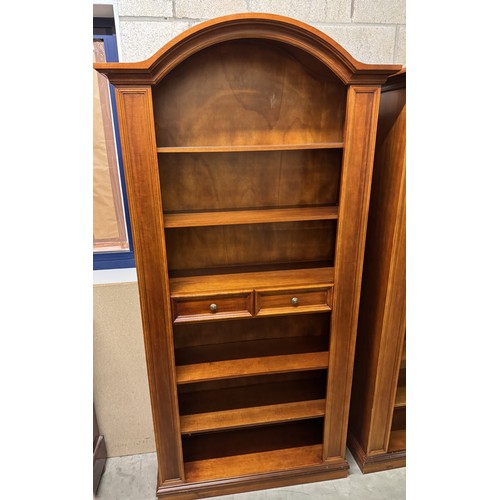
column 213, row 307
column 295, row 301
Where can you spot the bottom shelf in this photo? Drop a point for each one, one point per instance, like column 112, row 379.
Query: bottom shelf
column 252, row 440
column 253, row 463
column 247, row 459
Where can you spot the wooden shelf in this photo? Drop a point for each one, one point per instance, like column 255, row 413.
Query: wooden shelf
column 397, row 441
column 252, row 147
column 400, row 397
column 250, row 268
column 213, row 283
column 250, row 349
column 258, row 415
column 253, row 463
column 233, row 217
column 218, row 370
column 256, row 137
column 249, row 392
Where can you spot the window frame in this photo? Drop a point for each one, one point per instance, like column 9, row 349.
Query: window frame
column 124, row 259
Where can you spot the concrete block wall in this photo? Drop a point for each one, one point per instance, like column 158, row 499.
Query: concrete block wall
column 373, row 31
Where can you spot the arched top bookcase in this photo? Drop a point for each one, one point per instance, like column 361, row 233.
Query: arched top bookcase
column 248, row 147
column 248, row 26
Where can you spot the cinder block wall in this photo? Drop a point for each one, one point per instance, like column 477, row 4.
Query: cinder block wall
column 373, row 31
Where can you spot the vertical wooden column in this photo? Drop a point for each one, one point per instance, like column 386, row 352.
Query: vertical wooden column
column 393, row 332
column 137, row 133
column 381, row 328
column 359, row 139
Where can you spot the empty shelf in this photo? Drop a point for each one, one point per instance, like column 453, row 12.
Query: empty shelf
column 253, row 463
column 249, row 147
column 233, row 217
column 251, row 366
column 257, row 415
column 213, row 283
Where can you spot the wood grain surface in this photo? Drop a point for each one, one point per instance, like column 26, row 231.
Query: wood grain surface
column 228, row 181
column 248, row 417
column 262, row 128
column 361, row 120
column 252, row 366
column 248, row 93
column 379, row 377
column 235, row 217
column 196, row 285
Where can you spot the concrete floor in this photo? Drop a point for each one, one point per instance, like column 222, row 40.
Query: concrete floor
column 134, row 478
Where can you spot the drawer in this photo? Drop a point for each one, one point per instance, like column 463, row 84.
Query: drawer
column 213, row 307
column 303, row 300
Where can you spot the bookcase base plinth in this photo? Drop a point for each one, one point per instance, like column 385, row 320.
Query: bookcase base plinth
column 376, row 463
column 254, row 482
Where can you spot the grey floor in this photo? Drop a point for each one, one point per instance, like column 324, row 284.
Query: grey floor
column 134, row 478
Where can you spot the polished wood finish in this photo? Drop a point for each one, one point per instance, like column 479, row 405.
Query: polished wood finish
column 221, row 306
column 221, row 334
column 253, row 391
column 362, row 110
column 257, row 280
column 250, row 244
column 259, row 415
column 143, row 190
column 257, row 439
column 250, row 147
column 252, row 140
column 228, row 306
column 376, row 463
column 249, row 392
column 218, row 370
column 378, row 403
column 233, row 217
column 294, row 301
column 248, row 86
column 231, row 348
column 254, row 463
column 400, row 400
column 291, row 33
column 229, row 181
column 259, row 481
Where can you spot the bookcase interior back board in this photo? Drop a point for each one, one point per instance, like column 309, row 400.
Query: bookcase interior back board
column 248, row 145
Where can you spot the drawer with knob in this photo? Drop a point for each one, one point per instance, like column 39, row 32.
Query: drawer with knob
column 212, row 307
column 308, row 299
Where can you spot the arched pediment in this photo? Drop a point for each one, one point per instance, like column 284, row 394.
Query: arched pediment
column 247, row 26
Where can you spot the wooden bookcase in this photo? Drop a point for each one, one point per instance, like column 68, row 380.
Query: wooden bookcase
column 377, row 422
column 248, row 144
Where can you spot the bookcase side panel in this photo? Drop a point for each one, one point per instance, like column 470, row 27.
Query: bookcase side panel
column 136, row 122
column 360, row 132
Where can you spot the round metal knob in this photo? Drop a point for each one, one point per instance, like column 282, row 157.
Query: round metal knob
column 213, row 307
column 295, row 301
